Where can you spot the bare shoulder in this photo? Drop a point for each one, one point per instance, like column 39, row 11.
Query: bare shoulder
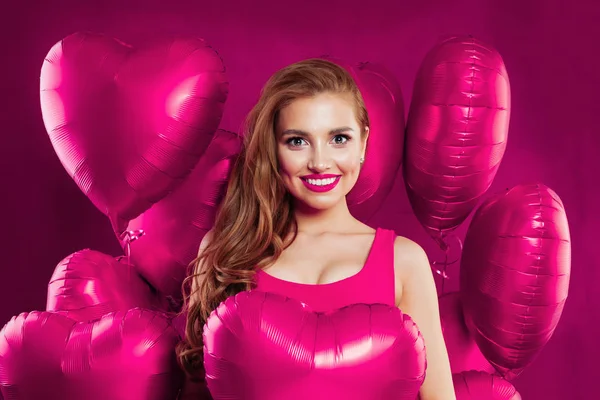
column 408, row 253
column 206, row 239
column 196, row 280
column 410, row 261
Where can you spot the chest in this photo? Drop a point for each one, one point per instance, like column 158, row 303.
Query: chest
column 322, row 260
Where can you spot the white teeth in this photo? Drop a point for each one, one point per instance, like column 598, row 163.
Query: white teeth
column 321, row 182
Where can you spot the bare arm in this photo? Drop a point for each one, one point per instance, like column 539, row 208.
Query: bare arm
column 418, row 298
column 196, row 281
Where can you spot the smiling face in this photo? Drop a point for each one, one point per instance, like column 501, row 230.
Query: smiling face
column 319, row 146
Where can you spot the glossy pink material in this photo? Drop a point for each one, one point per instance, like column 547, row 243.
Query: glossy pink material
column 266, row 346
column 514, row 274
column 478, row 385
column 174, row 227
column 456, row 132
column 88, row 284
column 374, row 283
column 129, row 124
column 125, row 355
column 462, row 350
column 385, row 105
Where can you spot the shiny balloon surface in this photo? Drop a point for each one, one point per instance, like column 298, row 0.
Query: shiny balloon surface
column 456, row 132
column 266, row 346
column 514, row 274
column 128, row 124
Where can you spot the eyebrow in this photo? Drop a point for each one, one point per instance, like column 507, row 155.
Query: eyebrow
column 299, row 132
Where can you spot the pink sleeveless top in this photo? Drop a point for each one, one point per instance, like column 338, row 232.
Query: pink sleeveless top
column 373, row 284
column 343, row 340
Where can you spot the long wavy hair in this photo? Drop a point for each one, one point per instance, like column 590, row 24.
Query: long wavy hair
column 255, row 221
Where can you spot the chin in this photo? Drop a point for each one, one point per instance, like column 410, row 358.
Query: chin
column 319, row 205
column 319, row 201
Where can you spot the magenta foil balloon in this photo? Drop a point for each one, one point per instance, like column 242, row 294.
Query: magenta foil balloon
column 88, row 284
column 462, row 350
column 123, row 356
column 456, row 132
column 514, row 274
column 385, row 105
column 174, row 227
column 129, row 124
column 479, row 385
column 265, row 346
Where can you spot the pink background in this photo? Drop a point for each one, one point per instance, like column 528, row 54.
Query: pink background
column 550, row 49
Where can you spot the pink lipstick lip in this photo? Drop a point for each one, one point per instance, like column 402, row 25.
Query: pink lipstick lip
column 324, row 188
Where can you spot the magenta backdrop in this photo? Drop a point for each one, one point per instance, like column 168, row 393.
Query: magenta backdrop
column 550, row 50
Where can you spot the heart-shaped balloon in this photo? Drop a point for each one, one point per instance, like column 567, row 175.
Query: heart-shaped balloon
column 265, row 346
column 89, row 284
column 514, row 274
column 479, row 385
column 123, row 356
column 456, row 132
column 384, row 102
column 462, row 350
column 129, row 124
column 174, row 227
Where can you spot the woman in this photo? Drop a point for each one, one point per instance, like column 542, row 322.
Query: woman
column 284, row 225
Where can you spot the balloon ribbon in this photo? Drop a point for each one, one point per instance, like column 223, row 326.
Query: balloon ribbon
column 129, row 237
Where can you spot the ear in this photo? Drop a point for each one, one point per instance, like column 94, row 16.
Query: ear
column 365, row 140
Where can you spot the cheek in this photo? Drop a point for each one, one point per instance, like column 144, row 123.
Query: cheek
column 289, row 163
column 348, row 161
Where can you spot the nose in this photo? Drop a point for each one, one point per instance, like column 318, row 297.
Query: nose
column 319, row 160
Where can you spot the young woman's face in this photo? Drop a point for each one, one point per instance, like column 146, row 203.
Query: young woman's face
column 319, row 148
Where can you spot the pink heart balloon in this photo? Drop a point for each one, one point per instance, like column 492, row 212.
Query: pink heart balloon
column 385, row 105
column 174, row 227
column 456, row 132
column 514, row 274
column 462, row 350
column 265, row 346
column 479, row 385
column 129, row 124
column 88, row 284
column 125, row 355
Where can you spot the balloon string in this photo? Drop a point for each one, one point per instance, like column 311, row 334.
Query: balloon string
column 445, row 276
column 129, row 237
column 442, row 271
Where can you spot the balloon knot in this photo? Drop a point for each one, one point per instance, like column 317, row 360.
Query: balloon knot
column 132, row 236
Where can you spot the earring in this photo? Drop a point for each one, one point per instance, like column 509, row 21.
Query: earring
column 362, row 160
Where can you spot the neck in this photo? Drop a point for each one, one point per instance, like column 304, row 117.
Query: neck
column 315, row 222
